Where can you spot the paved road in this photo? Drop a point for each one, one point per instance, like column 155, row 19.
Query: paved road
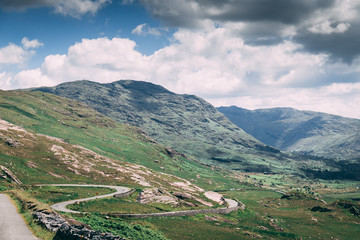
column 12, row 225
column 62, row 206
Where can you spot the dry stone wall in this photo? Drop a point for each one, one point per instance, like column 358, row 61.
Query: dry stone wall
column 182, row 213
column 55, row 223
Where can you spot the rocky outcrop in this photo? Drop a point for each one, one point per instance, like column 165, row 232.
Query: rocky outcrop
column 71, row 232
column 65, row 230
column 233, row 206
column 8, row 174
column 126, row 194
column 155, row 195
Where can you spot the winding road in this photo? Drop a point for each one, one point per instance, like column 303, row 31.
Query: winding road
column 12, row 225
column 62, row 205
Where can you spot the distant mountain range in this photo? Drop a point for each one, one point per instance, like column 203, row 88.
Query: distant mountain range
column 192, row 126
column 307, row 132
column 185, row 123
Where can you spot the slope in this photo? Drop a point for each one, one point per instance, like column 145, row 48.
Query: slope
column 184, row 122
column 78, row 124
column 301, row 131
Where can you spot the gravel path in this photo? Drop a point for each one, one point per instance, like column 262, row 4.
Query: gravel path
column 12, row 225
column 62, row 206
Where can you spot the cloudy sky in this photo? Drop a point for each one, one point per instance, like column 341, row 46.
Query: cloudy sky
column 249, row 53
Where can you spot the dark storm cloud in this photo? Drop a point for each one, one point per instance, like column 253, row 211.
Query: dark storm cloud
column 182, row 13
column 341, row 46
column 284, row 11
column 266, row 22
column 23, row 4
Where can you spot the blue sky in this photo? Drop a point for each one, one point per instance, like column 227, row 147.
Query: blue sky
column 57, row 32
column 253, row 54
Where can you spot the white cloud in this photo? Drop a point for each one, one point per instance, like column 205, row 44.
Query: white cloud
column 145, row 30
column 214, row 64
column 31, row 43
column 6, row 81
column 14, row 54
column 77, row 8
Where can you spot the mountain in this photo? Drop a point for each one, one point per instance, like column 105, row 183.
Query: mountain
column 76, row 124
column 45, row 138
column 185, row 123
column 307, row 132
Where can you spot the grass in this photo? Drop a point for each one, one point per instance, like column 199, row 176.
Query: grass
column 129, row 205
column 26, row 204
column 77, row 124
column 120, row 227
column 265, row 212
column 52, row 194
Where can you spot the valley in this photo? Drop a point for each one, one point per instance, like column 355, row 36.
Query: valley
column 143, row 137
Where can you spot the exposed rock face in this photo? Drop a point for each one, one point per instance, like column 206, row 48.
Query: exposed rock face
column 182, row 195
column 320, row 209
column 70, row 232
column 155, row 195
column 186, row 123
column 55, row 223
column 216, row 197
column 10, row 175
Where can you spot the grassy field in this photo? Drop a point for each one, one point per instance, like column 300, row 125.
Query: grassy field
column 52, row 194
column 131, row 205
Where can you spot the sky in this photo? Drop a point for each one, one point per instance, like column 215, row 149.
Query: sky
column 248, row 53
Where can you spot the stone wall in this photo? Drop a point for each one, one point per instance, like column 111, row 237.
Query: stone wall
column 64, row 230
column 126, row 194
column 182, row 213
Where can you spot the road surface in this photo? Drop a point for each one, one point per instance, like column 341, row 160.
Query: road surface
column 12, row 225
column 62, row 206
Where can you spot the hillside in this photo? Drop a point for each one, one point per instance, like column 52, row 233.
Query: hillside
column 49, row 139
column 300, row 131
column 78, row 124
column 183, row 122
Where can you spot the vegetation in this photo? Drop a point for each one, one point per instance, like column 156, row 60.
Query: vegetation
column 184, row 122
column 131, row 205
column 308, row 132
column 111, row 151
column 51, row 194
column 26, row 204
column 78, row 124
column 120, row 227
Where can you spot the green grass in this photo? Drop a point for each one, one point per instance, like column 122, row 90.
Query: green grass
column 120, row 227
column 77, row 124
column 129, row 205
column 52, row 194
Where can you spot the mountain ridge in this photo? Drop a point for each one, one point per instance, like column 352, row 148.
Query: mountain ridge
column 186, row 123
column 294, row 130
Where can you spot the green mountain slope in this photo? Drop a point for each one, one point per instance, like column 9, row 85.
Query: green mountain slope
column 301, row 131
column 77, row 124
column 184, row 122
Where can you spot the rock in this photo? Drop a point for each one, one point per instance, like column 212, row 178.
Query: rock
column 155, row 195
column 320, row 209
column 182, row 195
column 70, row 230
column 31, row 164
column 9, row 141
column 9, row 174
